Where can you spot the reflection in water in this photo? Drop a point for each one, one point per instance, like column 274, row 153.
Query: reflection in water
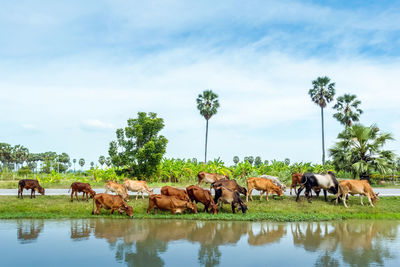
column 145, row 242
column 28, row 230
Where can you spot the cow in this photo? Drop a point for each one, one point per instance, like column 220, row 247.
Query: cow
column 353, row 187
column 231, row 184
column 198, row 194
column 78, row 187
column 172, row 191
column 210, row 177
column 172, row 203
column 275, row 180
column 117, row 189
column 137, row 186
column 29, row 184
column 326, row 182
column 261, row 184
column 296, row 180
column 226, row 195
column 111, row 202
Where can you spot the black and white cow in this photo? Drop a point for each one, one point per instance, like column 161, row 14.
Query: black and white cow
column 326, row 182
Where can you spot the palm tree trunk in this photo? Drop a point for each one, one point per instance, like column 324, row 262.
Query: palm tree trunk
column 205, row 154
column 323, row 137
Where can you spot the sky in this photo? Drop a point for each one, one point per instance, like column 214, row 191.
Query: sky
column 72, row 72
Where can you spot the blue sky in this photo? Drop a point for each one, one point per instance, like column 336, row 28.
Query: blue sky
column 74, row 71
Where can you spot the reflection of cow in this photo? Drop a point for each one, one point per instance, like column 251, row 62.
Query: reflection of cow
column 80, row 229
column 29, row 230
column 269, row 233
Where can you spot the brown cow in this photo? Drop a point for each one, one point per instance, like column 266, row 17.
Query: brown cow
column 262, row 184
column 353, row 187
column 172, row 191
column 210, row 177
column 231, row 184
column 225, row 195
column 112, row 202
column 78, row 187
column 117, row 189
column 29, row 184
column 198, row 194
column 296, row 180
column 138, row 187
column 172, row 203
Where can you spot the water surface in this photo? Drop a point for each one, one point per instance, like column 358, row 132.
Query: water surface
column 109, row 242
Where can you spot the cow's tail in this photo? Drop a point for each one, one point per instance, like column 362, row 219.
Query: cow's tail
column 302, row 184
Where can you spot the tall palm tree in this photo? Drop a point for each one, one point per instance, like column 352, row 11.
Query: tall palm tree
column 82, row 162
column 321, row 94
column 360, row 150
column 348, row 111
column 207, row 104
column 74, row 161
column 102, row 160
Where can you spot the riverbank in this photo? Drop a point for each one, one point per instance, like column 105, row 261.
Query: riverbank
column 279, row 209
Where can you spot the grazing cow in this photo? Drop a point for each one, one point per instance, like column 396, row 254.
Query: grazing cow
column 198, row 194
column 117, row 189
column 262, row 184
column 231, row 184
column 275, row 180
column 210, row 177
column 172, row 203
column 226, row 195
column 111, row 202
column 353, row 187
column 29, row 184
column 78, row 187
column 327, row 182
column 172, row 191
column 137, row 186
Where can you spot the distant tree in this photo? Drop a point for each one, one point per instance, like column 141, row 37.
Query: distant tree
column 19, row 155
column 207, row 104
column 139, row 147
column 287, row 161
column 102, row 160
column 347, row 109
column 364, row 151
column 322, row 93
column 82, row 162
column 91, row 165
column 108, row 162
column 5, row 155
column 74, row 161
column 236, row 159
column 63, row 161
column 250, row 159
column 246, row 159
column 257, row 161
column 266, row 162
column 194, row 160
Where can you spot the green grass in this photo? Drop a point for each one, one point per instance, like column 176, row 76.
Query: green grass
column 279, row 209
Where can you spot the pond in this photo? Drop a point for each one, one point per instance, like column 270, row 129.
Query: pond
column 109, row 242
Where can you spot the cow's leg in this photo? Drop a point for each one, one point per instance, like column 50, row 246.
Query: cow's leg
column 369, row 199
column 291, row 187
column 344, row 199
column 143, row 194
column 32, row 193
column 361, row 196
column 267, row 193
column 76, row 195
column 19, row 192
column 112, row 211
column 249, row 194
column 298, row 192
column 326, row 199
column 72, row 196
column 233, row 207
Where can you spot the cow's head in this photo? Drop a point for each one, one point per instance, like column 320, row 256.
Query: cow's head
column 213, row 208
column 243, row 207
column 190, row 205
column 40, row 190
column 375, row 197
column 92, row 193
column 128, row 210
column 242, row 190
column 151, row 191
column 278, row 191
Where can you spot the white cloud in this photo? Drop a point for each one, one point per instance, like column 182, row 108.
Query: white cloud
column 96, row 125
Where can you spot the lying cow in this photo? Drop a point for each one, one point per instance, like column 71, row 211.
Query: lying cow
column 111, row 202
column 29, row 184
column 78, row 187
column 326, row 182
column 198, row 194
column 172, row 203
column 210, row 177
column 275, row 180
column 117, row 189
column 231, row 184
column 261, row 184
column 138, row 187
column 172, row 191
column 354, row 187
column 226, row 195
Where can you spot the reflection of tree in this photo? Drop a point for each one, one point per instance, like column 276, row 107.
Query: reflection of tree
column 80, row 229
column 269, row 233
column 209, row 255
column 326, row 260
column 147, row 253
column 29, row 230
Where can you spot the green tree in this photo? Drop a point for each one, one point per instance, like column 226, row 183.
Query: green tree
column 91, row 165
column 63, row 161
column 322, row 93
column 360, row 150
column 257, row 161
column 347, row 109
column 139, row 147
column 108, row 162
column 250, row 159
column 82, row 162
column 287, row 161
column 102, row 160
column 19, row 155
column 207, row 104
column 236, row 159
column 5, row 155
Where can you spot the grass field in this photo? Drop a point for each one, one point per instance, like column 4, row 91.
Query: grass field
column 279, row 209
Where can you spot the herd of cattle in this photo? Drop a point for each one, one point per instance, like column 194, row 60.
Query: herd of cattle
column 226, row 191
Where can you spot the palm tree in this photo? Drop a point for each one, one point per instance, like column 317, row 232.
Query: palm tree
column 102, row 160
column 91, row 165
column 74, row 161
column 82, row 162
column 359, row 150
column 236, row 160
column 322, row 93
column 348, row 111
column 108, row 162
column 207, row 104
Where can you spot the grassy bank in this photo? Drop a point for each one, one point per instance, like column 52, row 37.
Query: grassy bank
column 280, row 209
